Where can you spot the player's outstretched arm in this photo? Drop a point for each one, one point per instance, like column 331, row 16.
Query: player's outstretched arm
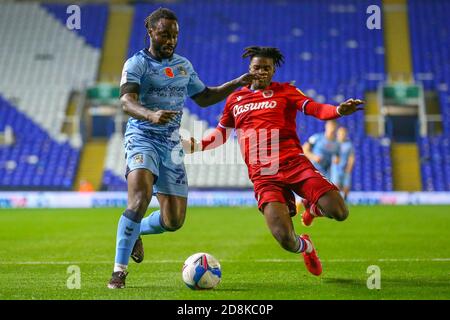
column 217, row 138
column 213, row 95
column 328, row 112
column 132, row 107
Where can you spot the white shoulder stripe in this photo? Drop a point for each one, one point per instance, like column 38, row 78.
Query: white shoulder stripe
column 304, row 104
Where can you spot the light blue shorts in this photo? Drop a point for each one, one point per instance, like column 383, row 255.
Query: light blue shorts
column 161, row 156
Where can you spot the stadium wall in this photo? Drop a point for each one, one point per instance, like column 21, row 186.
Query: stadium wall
column 9, row 200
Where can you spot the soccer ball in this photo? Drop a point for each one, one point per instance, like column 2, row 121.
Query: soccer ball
column 201, row 271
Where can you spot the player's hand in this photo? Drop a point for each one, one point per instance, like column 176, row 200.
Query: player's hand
column 350, row 106
column 161, row 116
column 246, row 79
column 190, row 146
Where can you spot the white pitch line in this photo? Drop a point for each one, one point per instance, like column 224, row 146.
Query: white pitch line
column 363, row 260
column 228, row 261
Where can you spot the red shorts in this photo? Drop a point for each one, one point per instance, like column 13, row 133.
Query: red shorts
column 297, row 175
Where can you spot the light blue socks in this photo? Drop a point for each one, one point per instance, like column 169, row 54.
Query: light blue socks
column 152, row 224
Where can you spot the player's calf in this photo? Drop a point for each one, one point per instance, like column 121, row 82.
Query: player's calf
column 173, row 211
column 287, row 240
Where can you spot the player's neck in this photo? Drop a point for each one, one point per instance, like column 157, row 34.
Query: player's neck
column 252, row 87
column 153, row 54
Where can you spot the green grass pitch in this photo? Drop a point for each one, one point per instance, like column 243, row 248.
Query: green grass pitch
column 410, row 244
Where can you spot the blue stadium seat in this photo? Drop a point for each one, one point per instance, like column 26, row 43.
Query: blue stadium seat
column 51, row 156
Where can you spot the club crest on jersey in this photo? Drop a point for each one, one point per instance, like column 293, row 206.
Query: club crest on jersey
column 267, row 93
column 169, row 72
column 182, row 71
column 138, row 158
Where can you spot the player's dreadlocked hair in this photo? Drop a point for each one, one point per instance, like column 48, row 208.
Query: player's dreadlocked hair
column 161, row 13
column 266, row 52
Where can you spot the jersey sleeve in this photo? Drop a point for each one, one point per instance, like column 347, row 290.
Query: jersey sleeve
column 310, row 107
column 195, row 85
column 133, row 70
column 297, row 98
column 227, row 118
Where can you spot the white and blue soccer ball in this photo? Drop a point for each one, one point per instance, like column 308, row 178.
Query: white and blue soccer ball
column 201, row 271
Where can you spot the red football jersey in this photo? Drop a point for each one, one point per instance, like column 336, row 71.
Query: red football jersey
column 265, row 122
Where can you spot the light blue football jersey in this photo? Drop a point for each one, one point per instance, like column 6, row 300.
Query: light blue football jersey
column 345, row 150
column 324, row 148
column 164, row 85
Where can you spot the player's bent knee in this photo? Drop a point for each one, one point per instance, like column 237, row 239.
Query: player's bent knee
column 341, row 213
column 174, row 222
column 173, row 226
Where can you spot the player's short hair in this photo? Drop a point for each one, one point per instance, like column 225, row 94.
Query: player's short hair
column 155, row 16
column 265, row 52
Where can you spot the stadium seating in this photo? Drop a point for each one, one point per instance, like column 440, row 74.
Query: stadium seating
column 42, row 61
column 328, row 55
column 429, row 30
column 435, row 160
column 35, row 161
column 430, row 33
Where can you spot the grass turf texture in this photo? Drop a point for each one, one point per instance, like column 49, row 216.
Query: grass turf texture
column 37, row 246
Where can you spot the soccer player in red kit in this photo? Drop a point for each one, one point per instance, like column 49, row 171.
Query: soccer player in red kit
column 264, row 116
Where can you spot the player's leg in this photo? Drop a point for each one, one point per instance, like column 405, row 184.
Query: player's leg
column 336, row 176
column 346, row 184
column 341, row 179
column 280, row 224
column 173, row 210
column 321, row 198
column 332, row 205
column 278, row 219
column 140, row 185
column 277, row 203
column 172, row 192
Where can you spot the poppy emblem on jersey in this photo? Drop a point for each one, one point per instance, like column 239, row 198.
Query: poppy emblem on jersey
column 169, row 72
column 267, row 94
column 139, row 158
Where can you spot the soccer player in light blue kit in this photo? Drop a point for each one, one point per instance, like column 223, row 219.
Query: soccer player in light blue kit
column 341, row 170
column 321, row 148
column 154, row 86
